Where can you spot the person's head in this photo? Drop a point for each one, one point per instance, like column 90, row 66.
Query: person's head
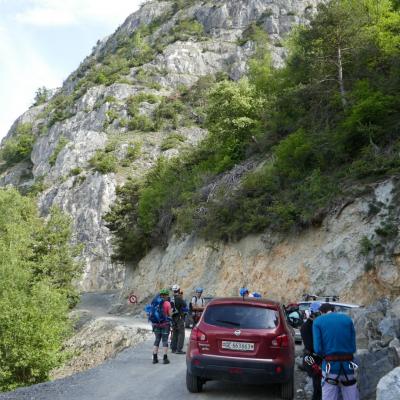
column 244, row 292
column 176, row 289
column 326, row 308
column 164, row 293
column 199, row 292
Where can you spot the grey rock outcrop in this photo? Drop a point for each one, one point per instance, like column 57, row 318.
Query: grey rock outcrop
column 389, row 386
column 377, row 325
column 372, row 367
column 395, row 343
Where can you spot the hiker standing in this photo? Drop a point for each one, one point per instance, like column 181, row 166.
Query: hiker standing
column 197, row 305
column 334, row 340
column 179, row 309
column 160, row 313
column 311, row 361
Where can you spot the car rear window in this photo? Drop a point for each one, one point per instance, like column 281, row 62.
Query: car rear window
column 304, row 306
column 241, row 316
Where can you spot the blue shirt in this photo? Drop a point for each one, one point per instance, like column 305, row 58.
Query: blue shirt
column 334, row 333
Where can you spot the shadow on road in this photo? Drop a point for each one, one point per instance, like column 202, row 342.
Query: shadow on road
column 225, row 391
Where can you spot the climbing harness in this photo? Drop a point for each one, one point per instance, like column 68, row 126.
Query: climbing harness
column 335, row 381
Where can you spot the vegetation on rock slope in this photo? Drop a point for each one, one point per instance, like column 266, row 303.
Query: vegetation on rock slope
column 327, row 120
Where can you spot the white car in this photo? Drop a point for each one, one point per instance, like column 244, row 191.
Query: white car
column 339, row 307
column 304, row 307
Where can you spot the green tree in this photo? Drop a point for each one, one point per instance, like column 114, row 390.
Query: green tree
column 33, row 291
column 233, row 119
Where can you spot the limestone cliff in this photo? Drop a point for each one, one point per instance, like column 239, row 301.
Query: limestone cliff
column 90, row 114
column 104, row 114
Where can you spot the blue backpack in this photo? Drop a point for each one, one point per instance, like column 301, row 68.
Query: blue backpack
column 155, row 311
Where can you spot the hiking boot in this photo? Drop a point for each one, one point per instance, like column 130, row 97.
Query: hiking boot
column 165, row 360
column 181, row 352
column 155, row 359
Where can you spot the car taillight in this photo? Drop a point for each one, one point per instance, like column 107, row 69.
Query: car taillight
column 281, row 341
column 197, row 335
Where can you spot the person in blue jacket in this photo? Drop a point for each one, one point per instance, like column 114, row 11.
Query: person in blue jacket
column 334, row 340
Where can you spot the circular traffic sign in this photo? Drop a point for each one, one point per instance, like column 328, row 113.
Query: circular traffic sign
column 132, row 299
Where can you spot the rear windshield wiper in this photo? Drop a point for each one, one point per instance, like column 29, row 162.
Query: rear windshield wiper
column 227, row 322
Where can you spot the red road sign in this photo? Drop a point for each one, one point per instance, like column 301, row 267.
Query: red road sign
column 132, row 299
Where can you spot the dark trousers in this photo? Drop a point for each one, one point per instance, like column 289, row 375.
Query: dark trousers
column 178, row 334
column 317, row 392
column 316, row 379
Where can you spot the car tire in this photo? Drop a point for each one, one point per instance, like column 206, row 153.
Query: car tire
column 193, row 383
column 287, row 389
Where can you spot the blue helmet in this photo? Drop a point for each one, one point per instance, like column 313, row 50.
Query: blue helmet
column 257, row 295
column 199, row 290
column 243, row 291
column 314, row 307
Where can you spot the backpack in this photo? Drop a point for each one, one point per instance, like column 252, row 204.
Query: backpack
column 155, row 311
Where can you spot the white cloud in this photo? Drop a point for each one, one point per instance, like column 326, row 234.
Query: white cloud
column 20, row 77
column 69, row 12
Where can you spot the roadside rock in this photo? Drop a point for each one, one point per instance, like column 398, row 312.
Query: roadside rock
column 390, row 327
column 80, row 318
column 395, row 343
column 372, row 367
column 377, row 325
column 100, row 340
column 389, row 386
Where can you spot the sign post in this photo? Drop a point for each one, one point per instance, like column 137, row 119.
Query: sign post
column 132, row 299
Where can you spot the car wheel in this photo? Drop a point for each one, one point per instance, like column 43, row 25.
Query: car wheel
column 193, row 383
column 287, row 389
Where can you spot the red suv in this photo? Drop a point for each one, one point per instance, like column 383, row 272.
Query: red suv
column 242, row 340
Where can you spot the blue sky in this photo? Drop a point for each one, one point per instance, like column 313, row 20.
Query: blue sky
column 43, row 41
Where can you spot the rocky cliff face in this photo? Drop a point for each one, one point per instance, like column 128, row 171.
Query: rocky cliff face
column 76, row 124
column 353, row 254
column 333, row 259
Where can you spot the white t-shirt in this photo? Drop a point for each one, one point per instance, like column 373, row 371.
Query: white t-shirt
column 196, row 300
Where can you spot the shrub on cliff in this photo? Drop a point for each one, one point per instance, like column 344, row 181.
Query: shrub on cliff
column 36, row 269
column 19, row 147
column 104, row 161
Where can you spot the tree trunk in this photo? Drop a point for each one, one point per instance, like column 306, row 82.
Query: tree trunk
column 340, row 77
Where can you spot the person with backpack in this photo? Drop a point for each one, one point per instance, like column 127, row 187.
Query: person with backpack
column 160, row 316
column 311, row 361
column 334, row 340
column 179, row 309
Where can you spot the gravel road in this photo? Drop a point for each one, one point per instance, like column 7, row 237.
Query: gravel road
column 130, row 376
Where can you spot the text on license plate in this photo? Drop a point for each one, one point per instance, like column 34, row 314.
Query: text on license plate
column 240, row 346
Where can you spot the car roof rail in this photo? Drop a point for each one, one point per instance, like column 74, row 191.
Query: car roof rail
column 326, row 298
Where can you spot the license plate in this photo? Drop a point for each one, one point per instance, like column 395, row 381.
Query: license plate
column 239, row 346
